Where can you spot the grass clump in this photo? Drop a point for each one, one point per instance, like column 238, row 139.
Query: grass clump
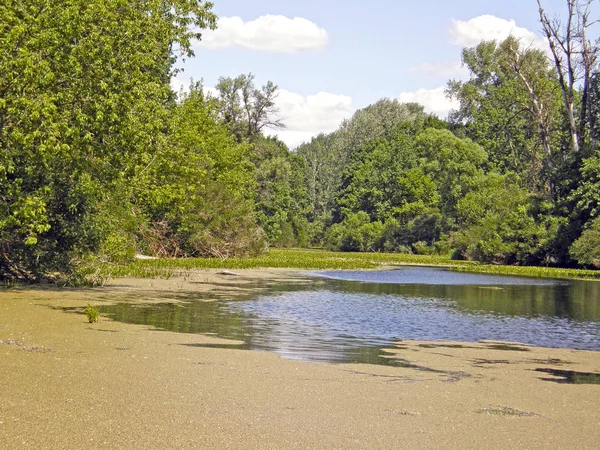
column 92, row 313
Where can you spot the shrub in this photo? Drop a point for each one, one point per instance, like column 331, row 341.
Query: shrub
column 92, row 313
column 356, row 233
column 586, row 249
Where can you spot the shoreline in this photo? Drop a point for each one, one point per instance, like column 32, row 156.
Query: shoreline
column 303, row 259
column 69, row 384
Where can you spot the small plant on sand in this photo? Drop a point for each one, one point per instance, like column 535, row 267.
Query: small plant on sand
column 92, row 313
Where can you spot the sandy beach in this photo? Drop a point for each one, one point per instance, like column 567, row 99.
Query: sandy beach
column 68, row 384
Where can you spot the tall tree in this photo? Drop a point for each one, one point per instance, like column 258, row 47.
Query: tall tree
column 453, row 163
column 323, row 161
column 326, row 156
column 247, row 109
column 511, row 106
column 575, row 57
column 204, row 206
column 499, row 222
column 83, row 85
column 282, row 198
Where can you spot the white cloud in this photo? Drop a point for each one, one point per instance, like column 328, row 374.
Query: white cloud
column 275, row 34
column 488, row 27
column 210, row 91
column 307, row 116
column 304, row 116
column 177, row 84
column 293, row 139
column 434, row 100
column 447, row 69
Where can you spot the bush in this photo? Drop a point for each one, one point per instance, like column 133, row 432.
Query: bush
column 421, row 248
column 500, row 224
column 356, row 234
column 586, row 249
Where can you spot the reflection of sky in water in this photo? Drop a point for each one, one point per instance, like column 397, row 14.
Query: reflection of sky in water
column 299, row 324
column 350, row 315
column 436, row 276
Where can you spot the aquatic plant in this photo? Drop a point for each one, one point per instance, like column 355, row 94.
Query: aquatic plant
column 532, row 271
column 320, row 260
column 92, row 313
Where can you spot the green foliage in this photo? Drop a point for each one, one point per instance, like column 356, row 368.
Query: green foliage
column 205, row 206
column 99, row 159
column 498, row 223
column 282, row 199
column 356, row 234
column 586, row 196
column 453, row 163
column 319, row 259
column 327, row 156
column 511, row 107
column 92, row 141
column 586, row 249
column 92, row 313
column 378, row 120
column 275, row 200
column 408, row 184
column 420, row 235
column 247, row 110
column 384, row 181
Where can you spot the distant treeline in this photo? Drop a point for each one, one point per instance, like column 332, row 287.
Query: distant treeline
column 100, row 159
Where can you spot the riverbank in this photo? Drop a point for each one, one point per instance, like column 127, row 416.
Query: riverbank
column 69, row 384
column 310, row 259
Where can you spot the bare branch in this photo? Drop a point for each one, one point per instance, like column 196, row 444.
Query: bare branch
column 561, row 41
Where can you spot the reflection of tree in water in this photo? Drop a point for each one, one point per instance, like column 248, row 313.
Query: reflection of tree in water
column 578, row 300
column 199, row 313
column 349, row 321
column 190, row 317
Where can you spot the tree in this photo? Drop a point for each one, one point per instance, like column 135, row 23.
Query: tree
column 499, row 223
column 204, row 207
column 247, row 109
column 356, row 234
column 510, row 106
column 409, row 183
column 586, row 249
column 377, row 120
column 575, row 58
column 453, row 163
column 321, row 156
column 326, row 156
column 282, row 198
column 385, row 181
column 83, row 89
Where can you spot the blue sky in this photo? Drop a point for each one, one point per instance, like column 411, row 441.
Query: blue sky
column 331, row 57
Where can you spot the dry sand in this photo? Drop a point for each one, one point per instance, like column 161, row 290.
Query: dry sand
column 67, row 384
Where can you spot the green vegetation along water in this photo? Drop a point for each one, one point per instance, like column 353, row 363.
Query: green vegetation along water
column 320, row 259
column 349, row 316
column 91, row 176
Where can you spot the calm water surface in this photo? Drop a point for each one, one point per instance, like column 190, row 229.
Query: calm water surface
column 349, row 316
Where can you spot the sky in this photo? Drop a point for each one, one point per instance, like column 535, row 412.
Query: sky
column 332, row 57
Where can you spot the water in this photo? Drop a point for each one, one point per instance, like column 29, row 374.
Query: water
column 349, row 316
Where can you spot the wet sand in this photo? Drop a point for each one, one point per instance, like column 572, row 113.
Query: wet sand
column 68, row 384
